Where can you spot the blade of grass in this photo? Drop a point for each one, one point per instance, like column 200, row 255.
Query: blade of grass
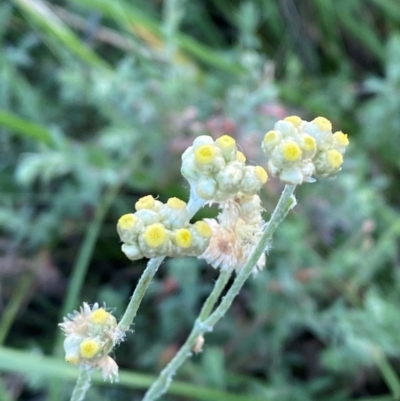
column 14, row 304
column 24, row 128
column 389, row 375
column 131, row 17
column 46, row 20
column 4, row 396
column 52, row 368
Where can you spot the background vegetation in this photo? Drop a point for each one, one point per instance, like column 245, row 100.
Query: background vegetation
column 98, row 98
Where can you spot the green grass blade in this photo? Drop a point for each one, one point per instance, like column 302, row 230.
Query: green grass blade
column 24, row 128
column 42, row 16
column 127, row 15
column 51, row 368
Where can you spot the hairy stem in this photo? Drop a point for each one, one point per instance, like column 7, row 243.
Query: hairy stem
column 219, row 286
column 82, row 384
column 138, row 294
column 160, row 386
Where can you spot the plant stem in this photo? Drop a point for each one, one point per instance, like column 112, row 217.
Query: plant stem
column 82, row 384
column 138, row 294
column 219, row 286
column 160, row 386
column 194, row 205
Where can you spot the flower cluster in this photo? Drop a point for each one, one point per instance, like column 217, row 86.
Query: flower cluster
column 217, row 170
column 236, row 232
column 91, row 335
column 158, row 229
column 299, row 150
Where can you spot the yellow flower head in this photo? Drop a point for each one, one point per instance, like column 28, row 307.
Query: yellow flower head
column 271, row 136
column 155, row 235
column 309, row 143
column 261, row 174
column 183, row 238
column 291, row 152
column 146, row 202
column 203, row 229
column 205, row 154
column 334, row 158
column 226, row 142
column 89, row 348
column 341, row 138
column 176, row 203
column 323, row 123
column 240, row 157
column 295, row 120
column 74, row 360
column 99, row 316
column 127, row 221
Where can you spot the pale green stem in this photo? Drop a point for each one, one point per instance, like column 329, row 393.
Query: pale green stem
column 160, row 386
column 82, row 384
column 195, row 203
column 212, row 299
column 138, row 294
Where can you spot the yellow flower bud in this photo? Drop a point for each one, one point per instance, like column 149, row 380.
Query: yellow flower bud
column 183, row 238
column 155, row 235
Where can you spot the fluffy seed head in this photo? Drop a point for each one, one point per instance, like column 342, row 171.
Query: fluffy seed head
column 204, row 154
column 155, row 235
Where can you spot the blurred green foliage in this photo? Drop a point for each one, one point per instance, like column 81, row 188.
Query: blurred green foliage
column 99, row 98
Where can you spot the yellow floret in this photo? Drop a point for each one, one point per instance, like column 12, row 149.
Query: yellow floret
column 183, row 238
column 270, row 136
column 99, row 316
column 203, row 229
column 225, row 142
column 147, row 202
column 155, row 235
column 240, row 157
column 89, row 348
column 176, row 203
column 261, row 174
column 291, row 152
column 335, row 158
column 323, row 123
column 204, row 154
column 74, row 360
column 341, row 138
column 309, row 143
column 126, row 221
column 295, row 120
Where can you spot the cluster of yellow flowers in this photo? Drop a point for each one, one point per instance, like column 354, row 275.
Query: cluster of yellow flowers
column 158, row 229
column 299, row 150
column 91, row 334
column 217, row 170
